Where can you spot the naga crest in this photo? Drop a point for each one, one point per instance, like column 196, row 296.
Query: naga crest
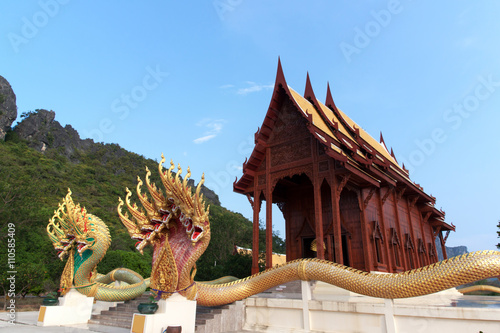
column 175, row 221
column 72, row 228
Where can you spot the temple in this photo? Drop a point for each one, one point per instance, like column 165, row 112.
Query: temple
column 343, row 195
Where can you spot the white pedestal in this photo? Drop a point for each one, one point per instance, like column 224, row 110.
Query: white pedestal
column 73, row 308
column 175, row 311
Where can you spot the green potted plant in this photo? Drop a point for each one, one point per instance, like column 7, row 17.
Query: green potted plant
column 52, row 298
column 149, row 307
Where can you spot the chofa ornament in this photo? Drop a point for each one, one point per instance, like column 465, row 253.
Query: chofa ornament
column 176, row 223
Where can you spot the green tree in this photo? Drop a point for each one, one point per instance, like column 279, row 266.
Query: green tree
column 29, row 278
column 498, row 233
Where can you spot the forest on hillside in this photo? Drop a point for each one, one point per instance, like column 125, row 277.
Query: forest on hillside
column 32, row 184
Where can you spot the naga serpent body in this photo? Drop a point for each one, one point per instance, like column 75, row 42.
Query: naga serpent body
column 418, row 282
column 175, row 223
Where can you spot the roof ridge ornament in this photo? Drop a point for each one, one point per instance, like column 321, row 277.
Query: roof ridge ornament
column 309, row 92
column 280, row 77
column 329, row 102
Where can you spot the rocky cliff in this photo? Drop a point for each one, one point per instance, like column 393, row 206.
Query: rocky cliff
column 42, row 132
column 450, row 251
column 8, row 108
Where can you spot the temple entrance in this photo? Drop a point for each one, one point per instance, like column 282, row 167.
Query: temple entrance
column 307, row 251
column 295, row 198
column 345, row 251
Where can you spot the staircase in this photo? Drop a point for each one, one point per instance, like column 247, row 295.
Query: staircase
column 120, row 315
column 208, row 319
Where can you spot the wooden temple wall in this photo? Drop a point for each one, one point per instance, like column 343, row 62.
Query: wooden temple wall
column 384, row 233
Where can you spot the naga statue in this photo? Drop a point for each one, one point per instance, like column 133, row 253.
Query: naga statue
column 176, row 223
column 84, row 239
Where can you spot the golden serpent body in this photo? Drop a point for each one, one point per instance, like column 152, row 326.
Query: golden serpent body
column 418, row 282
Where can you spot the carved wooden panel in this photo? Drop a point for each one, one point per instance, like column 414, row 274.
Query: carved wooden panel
column 289, row 123
column 277, row 176
column 288, row 152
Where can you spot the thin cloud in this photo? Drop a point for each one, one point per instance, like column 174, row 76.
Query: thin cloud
column 253, row 87
column 226, row 86
column 212, row 129
column 204, row 138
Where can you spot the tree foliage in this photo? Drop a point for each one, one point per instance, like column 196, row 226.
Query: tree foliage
column 498, row 233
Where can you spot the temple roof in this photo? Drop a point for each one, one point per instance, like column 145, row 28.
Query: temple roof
column 342, row 138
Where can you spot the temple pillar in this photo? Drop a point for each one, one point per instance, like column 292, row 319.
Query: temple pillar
column 443, row 247
column 337, row 226
column 418, row 262
column 367, row 246
column 318, row 217
column 255, row 244
column 406, row 265
column 380, row 205
column 269, row 211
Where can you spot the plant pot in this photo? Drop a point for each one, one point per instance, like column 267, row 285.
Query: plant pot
column 50, row 301
column 147, row 308
column 174, row 329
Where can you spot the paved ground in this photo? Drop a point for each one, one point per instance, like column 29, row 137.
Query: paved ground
column 26, row 322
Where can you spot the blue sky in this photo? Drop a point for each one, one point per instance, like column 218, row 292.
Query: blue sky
column 194, row 80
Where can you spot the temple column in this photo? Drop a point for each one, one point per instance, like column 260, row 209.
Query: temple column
column 255, row 244
column 406, row 265
column 380, row 206
column 443, row 247
column 424, row 237
column 367, row 246
column 337, row 226
column 318, row 217
column 418, row 262
column 269, row 211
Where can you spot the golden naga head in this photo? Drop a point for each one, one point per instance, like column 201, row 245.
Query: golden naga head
column 71, row 227
column 162, row 211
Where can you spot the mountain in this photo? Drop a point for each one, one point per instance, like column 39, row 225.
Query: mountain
column 456, row 251
column 42, row 132
column 450, row 251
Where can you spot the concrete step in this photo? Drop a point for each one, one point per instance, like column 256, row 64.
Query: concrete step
column 111, row 322
column 227, row 318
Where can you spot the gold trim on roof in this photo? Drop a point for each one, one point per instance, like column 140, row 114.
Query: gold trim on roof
column 309, row 110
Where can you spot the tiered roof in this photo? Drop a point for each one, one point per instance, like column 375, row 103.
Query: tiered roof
column 343, row 140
